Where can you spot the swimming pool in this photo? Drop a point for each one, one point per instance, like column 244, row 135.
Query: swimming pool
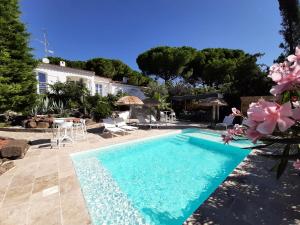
column 155, row 181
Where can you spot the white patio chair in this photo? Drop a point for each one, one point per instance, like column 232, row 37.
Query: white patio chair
column 80, row 131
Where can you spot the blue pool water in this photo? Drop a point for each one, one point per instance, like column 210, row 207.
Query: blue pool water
column 156, row 181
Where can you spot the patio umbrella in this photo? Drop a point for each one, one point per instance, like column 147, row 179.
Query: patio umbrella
column 215, row 104
column 130, row 100
column 150, row 102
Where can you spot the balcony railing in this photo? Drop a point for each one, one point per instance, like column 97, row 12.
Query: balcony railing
column 42, row 87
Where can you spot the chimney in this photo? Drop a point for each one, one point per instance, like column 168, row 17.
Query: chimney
column 62, row 63
column 46, row 60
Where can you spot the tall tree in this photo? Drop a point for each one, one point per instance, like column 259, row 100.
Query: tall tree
column 194, row 69
column 165, row 62
column 101, row 66
column 17, row 79
column 212, row 66
column 248, row 79
column 77, row 64
column 111, row 68
column 120, row 69
column 290, row 13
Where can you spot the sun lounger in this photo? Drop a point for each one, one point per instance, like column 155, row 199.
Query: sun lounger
column 154, row 121
column 122, row 124
column 228, row 121
column 144, row 121
column 110, row 126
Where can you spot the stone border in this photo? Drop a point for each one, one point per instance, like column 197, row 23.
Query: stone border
column 38, row 130
column 22, row 129
column 49, row 130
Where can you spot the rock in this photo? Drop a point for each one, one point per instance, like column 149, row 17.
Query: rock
column 43, row 124
column 89, row 121
column 14, row 149
column 31, row 124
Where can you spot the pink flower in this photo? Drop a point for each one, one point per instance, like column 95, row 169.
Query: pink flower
column 257, row 112
column 287, row 74
column 277, row 71
column 295, row 58
column 296, row 164
column 226, row 138
column 239, row 131
column 230, row 131
column 236, row 112
column 236, row 131
column 263, row 117
column 253, row 134
column 290, row 81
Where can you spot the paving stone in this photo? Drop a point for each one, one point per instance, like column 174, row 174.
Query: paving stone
column 14, row 215
column 17, row 195
column 45, row 210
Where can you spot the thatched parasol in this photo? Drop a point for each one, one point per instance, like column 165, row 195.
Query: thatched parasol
column 215, row 103
column 212, row 102
column 130, row 100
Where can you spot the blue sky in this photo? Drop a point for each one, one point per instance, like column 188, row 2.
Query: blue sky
column 83, row 29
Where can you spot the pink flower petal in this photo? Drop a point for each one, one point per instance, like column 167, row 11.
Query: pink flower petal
column 296, row 164
column 286, row 110
column 297, row 51
column 253, row 135
column 250, row 123
column 296, row 114
column 285, row 123
column 292, row 58
column 267, row 127
column 256, row 114
column 276, row 76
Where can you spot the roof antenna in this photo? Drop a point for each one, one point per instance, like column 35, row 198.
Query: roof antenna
column 45, row 42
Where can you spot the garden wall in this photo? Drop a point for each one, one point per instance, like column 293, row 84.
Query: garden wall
column 247, row 100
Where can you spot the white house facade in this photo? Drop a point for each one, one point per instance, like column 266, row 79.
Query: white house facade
column 50, row 74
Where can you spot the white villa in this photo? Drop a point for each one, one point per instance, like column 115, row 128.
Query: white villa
column 49, row 74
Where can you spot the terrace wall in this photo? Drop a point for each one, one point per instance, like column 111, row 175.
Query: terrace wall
column 247, row 100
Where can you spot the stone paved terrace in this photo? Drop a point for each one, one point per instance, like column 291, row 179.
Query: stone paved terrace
column 252, row 195
column 43, row 188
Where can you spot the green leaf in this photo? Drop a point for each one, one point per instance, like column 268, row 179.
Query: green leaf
column 286, row 97
column 281, row 167
column 275, row 167
column 283, row 162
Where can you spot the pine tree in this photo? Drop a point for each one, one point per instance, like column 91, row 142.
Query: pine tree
column 290, row 13
column 17, row 78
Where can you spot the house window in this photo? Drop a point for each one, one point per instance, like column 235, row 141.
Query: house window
column 42, row 77
column 98, row 89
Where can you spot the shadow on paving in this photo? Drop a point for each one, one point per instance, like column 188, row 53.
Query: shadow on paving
column 253, row 195
column 40, row 141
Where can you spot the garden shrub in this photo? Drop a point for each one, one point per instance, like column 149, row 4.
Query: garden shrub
column 101, row 110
